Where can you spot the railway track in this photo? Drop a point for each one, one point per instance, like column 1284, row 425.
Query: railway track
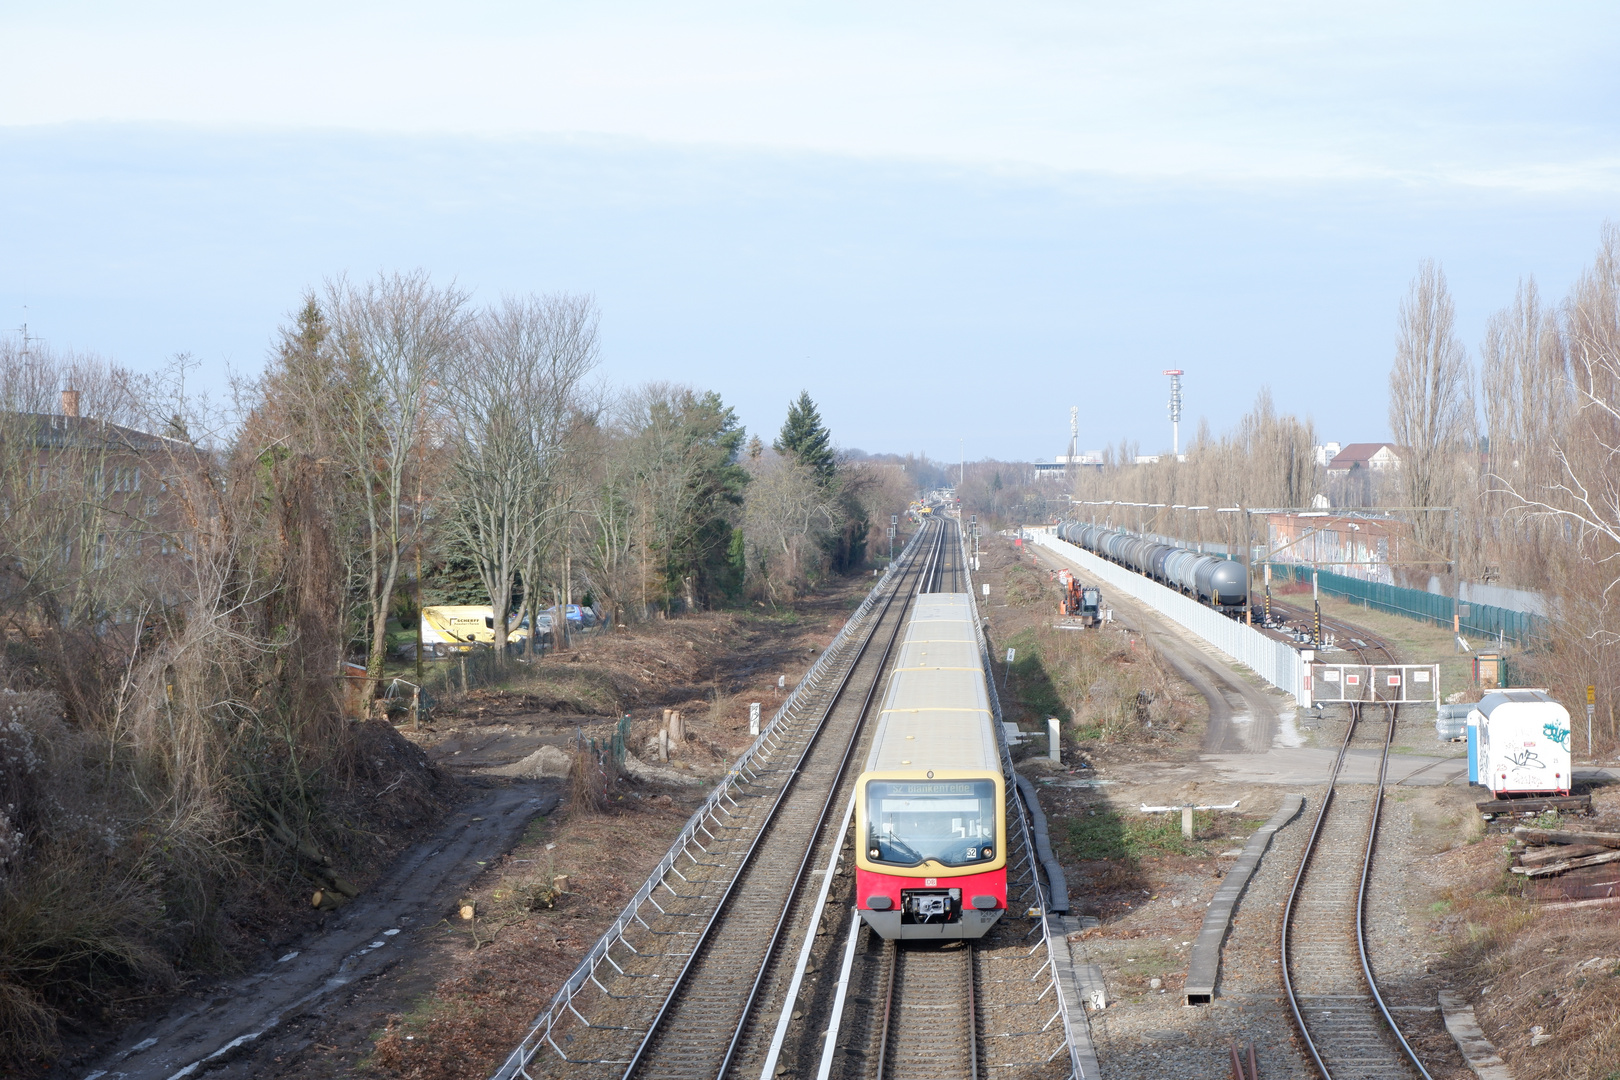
column 931, row 1030
column 953, row 1011
column 671, row 990
column 1337, row 1006
column 695, row 979
column 963, row 1010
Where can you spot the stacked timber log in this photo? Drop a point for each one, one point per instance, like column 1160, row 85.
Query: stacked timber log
column 1548, row 852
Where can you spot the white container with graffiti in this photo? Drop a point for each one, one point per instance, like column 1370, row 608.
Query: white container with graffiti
column 1523, row 743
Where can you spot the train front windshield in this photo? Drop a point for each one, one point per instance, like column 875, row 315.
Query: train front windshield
column 950, row 821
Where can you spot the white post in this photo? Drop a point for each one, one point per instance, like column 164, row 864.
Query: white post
column 1187, row 822
column 1053, row 751
column 753, row 718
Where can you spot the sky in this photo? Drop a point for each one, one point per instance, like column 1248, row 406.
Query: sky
column 948, row 222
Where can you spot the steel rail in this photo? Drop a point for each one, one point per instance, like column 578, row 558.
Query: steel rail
column 973, row 1014
column 679, row 981
column 1361, row 903
column 821, row 819
column 1293, row 895
column 1025, row 875
column 541, row 1032
column 893, row 950
column 1374, row 820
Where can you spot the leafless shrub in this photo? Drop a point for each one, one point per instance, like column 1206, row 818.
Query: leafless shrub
column 591, row 780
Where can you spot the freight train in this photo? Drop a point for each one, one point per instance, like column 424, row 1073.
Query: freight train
column 931, row 834
column 1221, row 583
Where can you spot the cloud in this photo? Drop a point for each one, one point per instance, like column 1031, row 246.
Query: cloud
column 1228, row 93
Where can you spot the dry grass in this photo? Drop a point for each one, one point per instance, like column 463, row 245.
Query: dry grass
column 1025, row 586
column 1100, row 683
column 1558, row 971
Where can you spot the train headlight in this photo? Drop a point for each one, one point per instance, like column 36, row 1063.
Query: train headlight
column 987, row 853
column 874, row 853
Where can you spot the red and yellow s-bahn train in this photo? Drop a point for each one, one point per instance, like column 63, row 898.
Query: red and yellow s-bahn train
column 931, row 860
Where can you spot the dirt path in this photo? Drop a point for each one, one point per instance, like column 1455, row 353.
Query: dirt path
column 228, row 1026
column 1242, row 716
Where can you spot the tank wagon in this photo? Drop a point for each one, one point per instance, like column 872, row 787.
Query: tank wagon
column 930, row 828
column 1220, row 583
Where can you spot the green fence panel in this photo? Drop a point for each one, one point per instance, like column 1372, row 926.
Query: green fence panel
column 1477, row 620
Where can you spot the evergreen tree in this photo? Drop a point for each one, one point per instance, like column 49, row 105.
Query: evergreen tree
column 806, row 438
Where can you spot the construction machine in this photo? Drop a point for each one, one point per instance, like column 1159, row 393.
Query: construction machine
column 1077, row 601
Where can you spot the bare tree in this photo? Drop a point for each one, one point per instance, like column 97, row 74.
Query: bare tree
column 390, row 337
column 1583, row 492
column 786, row 514
column 608, row 521
column 512, row 392
column 1431, row 406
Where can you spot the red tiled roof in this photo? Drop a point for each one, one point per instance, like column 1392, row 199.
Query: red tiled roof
column 1359, row 453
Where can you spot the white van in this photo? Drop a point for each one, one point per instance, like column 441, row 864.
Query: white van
column 1523, row 743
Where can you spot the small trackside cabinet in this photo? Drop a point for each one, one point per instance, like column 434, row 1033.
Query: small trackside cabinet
column 1523, row 743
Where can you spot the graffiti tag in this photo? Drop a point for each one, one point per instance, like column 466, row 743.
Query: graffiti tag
column 1526, row 759
column 1559, row 735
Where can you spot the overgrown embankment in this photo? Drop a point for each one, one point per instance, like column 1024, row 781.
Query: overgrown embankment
column 1543, row 976
column 119, row 881
column 464, row 990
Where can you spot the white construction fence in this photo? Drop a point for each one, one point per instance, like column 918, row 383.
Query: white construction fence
column 1272, row 660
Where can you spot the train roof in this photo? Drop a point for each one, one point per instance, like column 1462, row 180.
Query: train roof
column 936, row 710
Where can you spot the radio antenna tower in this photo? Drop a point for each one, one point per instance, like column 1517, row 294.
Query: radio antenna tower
column 1175, row 411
